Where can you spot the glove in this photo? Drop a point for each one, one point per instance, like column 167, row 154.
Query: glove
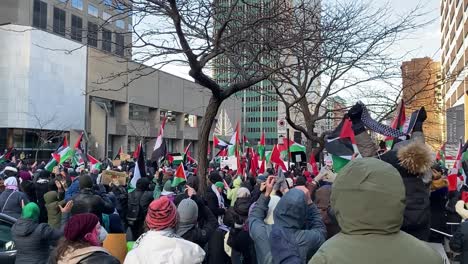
column 355, row 113
column 422, row 116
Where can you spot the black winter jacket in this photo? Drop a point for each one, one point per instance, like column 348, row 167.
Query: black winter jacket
column 459, row 242
column 33, row 240
column 212, row 202
column 207, row 224
column 88, row 202
column 417, row 211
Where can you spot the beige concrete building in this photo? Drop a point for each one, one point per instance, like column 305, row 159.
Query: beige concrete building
column 66, row 67
column 454, row 49
column 422, row 87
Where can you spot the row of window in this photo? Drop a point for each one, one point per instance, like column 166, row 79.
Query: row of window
column 267, row 108
column 256, row 119
column 258, row 130
column 77, row 28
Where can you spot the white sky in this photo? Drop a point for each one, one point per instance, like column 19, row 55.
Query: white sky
column 425, row 42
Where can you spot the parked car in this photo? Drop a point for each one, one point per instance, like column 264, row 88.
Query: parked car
column 7, row 246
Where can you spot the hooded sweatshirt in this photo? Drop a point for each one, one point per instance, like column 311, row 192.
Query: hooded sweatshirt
column 298, row 230
column 368, row 198
column 232, row 193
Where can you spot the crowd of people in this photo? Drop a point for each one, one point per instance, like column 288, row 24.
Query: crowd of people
column 379, row 208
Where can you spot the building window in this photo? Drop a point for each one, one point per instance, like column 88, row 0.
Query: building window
column 92, row 34
column 138, row 112
column 40, row 14
column 119, row 44
column 92, row 10
column 120, row 24
column 76, row 28
column 106, row 40
column 78, row 4
column 59, row 21
column 107, row 2
column 105, row 16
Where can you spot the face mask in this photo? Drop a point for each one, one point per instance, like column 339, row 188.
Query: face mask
column 102, row 234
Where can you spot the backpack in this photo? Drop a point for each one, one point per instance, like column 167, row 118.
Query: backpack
column 133, row 211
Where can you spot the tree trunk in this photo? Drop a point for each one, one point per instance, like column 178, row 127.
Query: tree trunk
column 203, row 139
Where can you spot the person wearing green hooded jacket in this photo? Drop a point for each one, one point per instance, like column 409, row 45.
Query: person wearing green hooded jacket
column 232, row 193
column 368, row 197
column 33, row 239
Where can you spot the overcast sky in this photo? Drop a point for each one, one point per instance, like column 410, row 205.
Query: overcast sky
column 425, row 42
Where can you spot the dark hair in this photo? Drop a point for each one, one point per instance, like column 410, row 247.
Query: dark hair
column 64, row 245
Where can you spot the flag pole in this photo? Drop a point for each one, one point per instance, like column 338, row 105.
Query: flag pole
column 289, row 152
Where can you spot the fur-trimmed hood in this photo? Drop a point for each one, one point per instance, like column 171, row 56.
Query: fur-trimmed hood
column 412, row 160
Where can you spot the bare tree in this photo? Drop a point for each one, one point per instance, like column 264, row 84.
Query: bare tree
column 44, row 136
column 345, row 45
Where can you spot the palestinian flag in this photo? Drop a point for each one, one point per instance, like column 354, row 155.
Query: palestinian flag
column 136, row 152
column 440, row 156
column 343, row 147
column 276, row 158
column 94, row 163
column 397, row 123
column 179, row 176
column 118, row 153
column 218, row 143
column 246, row 142
column 254, row 164
column 222, row 153
column 5, row 157
column 313, row 164
column 261, row 147
column 140, row 169
column 56, row 156
column 188, row 155
column 160, row 148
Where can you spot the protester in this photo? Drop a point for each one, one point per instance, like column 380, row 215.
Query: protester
column 298, row 230
column 412, row 162
column 322, row 200
column 89, row 202
column 438, row 200
column 53, row 201
column 259, row 230
column 82, row 243
column 242, row 246
column 160, row 244
column 458, row 242
column 215, row 197
column 12, row 199
column 368, row 197
column 232, row 192
column 138, row 202
column 196, row 221
column 33, row 239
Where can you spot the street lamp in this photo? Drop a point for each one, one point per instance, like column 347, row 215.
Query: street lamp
column 104, row 106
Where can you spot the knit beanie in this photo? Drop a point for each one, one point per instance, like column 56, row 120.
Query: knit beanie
column 162, row 214
column 79, row 225
column 25, row 175
column 215, row 177
column 30, row 211
column 219, row 185
column 243, row 192
column 188, row 211
column 86, row 182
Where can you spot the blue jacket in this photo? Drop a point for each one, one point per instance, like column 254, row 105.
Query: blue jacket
column 259, row 231
column 298, row 230
column 72, row 190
